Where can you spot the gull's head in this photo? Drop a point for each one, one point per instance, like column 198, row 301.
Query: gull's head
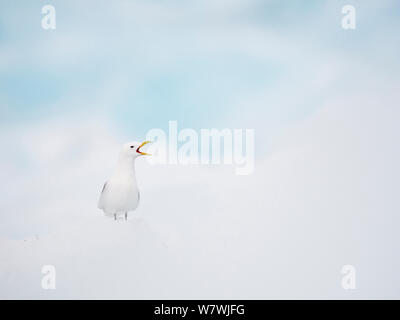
column 134, row 149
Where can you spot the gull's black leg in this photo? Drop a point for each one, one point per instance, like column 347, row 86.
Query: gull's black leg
column 115, row 216
column 126, row 216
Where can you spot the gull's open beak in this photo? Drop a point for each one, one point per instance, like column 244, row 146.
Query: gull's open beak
column 143, row 153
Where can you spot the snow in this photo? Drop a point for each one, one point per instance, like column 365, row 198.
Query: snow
column 324, row 198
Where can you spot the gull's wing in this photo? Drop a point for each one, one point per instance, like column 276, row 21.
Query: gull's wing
column 101, row 196
column 103, row 187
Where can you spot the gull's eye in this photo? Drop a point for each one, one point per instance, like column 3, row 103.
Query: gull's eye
column 132, row 146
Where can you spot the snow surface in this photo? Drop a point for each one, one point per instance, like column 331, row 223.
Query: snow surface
column 326, row 196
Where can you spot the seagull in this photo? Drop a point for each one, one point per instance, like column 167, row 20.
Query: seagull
column 120, row 193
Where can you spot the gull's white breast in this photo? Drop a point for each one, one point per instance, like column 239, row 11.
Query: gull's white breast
column 119, row 195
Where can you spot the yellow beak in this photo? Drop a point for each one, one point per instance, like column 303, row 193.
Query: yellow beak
column 143, row 153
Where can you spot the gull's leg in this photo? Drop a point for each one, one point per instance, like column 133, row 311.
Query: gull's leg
column 126, row 216
column 115, row 216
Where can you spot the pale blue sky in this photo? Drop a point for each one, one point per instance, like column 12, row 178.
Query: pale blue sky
column 204, row 63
